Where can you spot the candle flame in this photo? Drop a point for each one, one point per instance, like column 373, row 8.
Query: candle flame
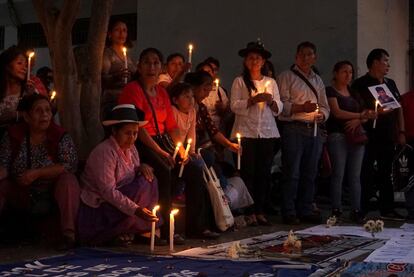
column 155, row 209
column 124, row 50
column 217, row 81
column 377, row 102
column 31, row 54
column 178, row 144
column 189, row 141
column 53, row 95
column 190, row 47
column 238, row 135
column 174, row 212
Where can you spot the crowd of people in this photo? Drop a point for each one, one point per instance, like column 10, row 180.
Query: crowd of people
column 149, row 107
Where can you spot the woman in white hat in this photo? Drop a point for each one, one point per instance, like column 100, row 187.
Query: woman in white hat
column 118, row 190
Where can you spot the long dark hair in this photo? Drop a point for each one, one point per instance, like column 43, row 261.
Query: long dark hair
column 113, row 21
column 8, row 56
column 248, row 80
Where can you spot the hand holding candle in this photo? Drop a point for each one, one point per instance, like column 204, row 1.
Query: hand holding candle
column 374, row 125
column 31, row 54
column 172, row 223
column 124, row 50
column 315, row 126
column 187, row 149
column 177, row 148
column 238, row 153
column 154, row 212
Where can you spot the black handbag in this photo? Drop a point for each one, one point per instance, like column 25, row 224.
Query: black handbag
column 163, row 140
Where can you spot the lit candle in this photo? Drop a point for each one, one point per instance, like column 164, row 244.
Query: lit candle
column 52, row 97
column 376, row 110
column 154, row 212
column 28, row 64
column 172, row 222
column 190, row 52
column 238, row 153
column 124, row 50
column 315, row 125
column 187, row 149
column 217, row 82
column 177, row 148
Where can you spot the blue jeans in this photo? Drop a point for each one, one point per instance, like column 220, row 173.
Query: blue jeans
column 346, row 160
column 301, row 152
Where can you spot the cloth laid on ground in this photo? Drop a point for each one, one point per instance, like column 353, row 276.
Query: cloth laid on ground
column 320, row 250
column 379, row 269
column 97, row 263
column 399, row 247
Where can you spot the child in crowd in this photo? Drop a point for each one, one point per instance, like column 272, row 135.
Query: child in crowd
column 199, row 219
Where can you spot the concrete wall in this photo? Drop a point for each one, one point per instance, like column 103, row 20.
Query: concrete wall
column 220, row 28
column 385, row 24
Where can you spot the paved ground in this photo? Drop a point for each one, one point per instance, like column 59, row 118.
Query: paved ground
column 20, row 250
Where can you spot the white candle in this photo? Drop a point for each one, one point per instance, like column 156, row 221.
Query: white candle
column 217, row 82
column 124, row 50
column 315, row 125
column 190, row 52
column 187, row 149
column 238, row 153
column 154, row 212
column 172, row 222
column 374, row 125
column 52, row 97
column 266, row 85
column 28, row 64
column 177, row 148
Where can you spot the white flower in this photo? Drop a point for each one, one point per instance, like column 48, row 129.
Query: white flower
column 331, row 221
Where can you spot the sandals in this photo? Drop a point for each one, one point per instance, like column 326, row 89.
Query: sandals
column 124, row 240
column 251, row 220
column 207, row 234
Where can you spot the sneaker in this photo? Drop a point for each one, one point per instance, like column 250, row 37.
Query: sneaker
column 357, row 217
column 392, row 215
column 311, row 219
column 290, row 220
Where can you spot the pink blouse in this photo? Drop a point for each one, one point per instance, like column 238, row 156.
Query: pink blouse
column 107, row 169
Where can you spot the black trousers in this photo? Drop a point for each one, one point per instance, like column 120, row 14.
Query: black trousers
column 256, row 164
column 199, row 211
column 381, row 151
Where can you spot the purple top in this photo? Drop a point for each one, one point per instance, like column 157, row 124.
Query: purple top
column 107, row 169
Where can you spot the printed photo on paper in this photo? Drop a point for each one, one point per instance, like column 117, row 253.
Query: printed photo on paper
column 384, row 97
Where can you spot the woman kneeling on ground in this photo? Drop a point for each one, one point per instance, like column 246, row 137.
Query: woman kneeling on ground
column 117, row 189
column 37, row 161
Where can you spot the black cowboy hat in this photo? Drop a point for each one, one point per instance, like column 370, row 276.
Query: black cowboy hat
column 126, row 113
column 256, row 47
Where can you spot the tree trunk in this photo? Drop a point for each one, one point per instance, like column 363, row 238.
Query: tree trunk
column 78, row 99
column 91, row 86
